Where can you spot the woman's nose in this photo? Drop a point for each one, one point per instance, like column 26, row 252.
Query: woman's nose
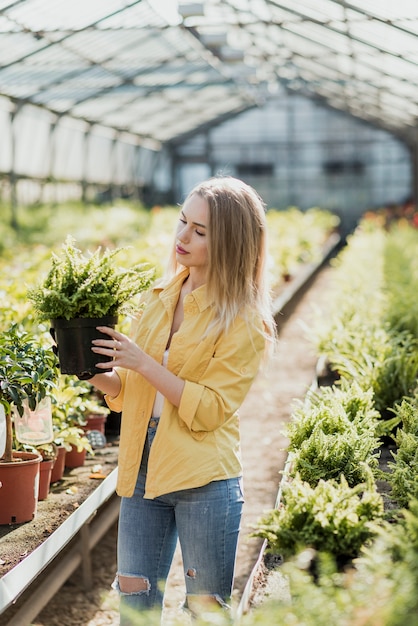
column 182, row 235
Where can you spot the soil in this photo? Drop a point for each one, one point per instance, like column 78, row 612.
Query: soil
column 66, row 495
column 264, row 415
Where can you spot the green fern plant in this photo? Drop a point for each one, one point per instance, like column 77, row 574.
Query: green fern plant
column 331, row 518
column 87, row 285
column 403, row 474
column 334, row 432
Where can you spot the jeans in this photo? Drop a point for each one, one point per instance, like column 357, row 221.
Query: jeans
column 206, row 520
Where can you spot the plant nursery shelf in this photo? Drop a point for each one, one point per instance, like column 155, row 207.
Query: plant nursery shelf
column 89, row 507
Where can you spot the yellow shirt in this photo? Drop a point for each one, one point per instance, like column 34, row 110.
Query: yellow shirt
column 199, row 441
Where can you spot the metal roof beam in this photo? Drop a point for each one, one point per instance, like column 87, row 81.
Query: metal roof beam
column 50, row 44
column 179, row 139
column 342, row 33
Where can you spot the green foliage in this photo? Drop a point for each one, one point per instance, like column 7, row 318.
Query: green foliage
column 334, row 432
column 79, row 285
column 108, row 224
column 380, row 590
column 367, row 340
column 28, row 369
column 329, row 456
column 330, row 409
column 401, row 273
column 71, row 403
column 296, row 237
column 331, row 517
column 404, row 471
column 28, row 372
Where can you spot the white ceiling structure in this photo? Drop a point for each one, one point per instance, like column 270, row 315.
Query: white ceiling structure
column 163, row 71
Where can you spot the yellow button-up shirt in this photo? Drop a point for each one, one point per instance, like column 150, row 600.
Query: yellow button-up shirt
column 199, row 441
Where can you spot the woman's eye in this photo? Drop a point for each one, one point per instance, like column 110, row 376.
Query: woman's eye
column 199, row 233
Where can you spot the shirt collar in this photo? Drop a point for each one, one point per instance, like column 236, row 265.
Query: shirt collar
column 169, row 290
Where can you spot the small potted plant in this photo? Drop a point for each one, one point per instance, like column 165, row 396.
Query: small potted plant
column 81, row 292
column 68, row 413
column 28, row 372
column 331, row 518
column 48, row 452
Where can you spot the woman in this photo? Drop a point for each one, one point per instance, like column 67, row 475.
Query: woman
column 179, row 380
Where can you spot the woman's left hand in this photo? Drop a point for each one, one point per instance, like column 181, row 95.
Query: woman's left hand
column 122, row 350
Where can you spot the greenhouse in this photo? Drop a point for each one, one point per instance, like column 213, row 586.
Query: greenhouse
column 141, row 98
column 111, row 112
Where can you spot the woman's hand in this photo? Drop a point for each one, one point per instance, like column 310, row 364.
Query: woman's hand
column 126, row 354
column 122, row 350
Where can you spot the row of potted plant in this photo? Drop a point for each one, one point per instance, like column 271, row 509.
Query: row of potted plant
column 330, row 501
column 331, row 511
column 79, row 290
column 372, row 332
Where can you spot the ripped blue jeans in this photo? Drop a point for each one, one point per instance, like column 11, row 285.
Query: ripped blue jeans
column 206, row 520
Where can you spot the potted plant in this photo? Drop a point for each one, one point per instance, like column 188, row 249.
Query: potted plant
column 48, row 452
column 28, row 372
column 96, row 412
column 81, row 292
column 331, row 518
column 68, row 414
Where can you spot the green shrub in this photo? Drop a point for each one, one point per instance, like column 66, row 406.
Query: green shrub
column 403, row 476
column 401, row 280
column 89, row 285
column 331, row 518
column 366, row 340
column 334, row 432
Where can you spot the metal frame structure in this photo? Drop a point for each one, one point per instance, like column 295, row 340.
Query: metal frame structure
column 154, row 72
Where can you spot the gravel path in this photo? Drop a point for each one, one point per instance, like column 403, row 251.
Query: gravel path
column 263, row 417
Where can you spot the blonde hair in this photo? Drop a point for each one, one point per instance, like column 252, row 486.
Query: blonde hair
column 237, row 250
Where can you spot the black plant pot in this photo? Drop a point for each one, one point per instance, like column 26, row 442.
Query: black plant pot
column 73, row 339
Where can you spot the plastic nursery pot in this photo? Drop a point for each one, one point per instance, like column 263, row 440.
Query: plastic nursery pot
column 73, row 339
column 95, row 421
column 34, row 427
column 19, row 488
column 2, row 430
column 45, row 473
column 75, row 458
column 59, row 465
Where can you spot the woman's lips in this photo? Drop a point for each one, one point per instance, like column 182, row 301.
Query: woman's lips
column 180, row 250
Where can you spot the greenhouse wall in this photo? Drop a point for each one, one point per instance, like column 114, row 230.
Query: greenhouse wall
column 297, row 152
column 49, row 159
column 293, row 150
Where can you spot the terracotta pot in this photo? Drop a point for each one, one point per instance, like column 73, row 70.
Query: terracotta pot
column 45, row 471
column 95, row 421
column 19, row 488
column 59, row 465
column 73, row 458
column 73, row 338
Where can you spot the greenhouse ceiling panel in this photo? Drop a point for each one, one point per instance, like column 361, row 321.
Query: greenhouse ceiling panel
column 163, row 70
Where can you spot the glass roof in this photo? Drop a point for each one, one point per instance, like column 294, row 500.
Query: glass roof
column 163, row 70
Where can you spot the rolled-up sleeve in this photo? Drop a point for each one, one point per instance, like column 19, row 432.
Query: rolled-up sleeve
column 115, row 403
column 206, row 404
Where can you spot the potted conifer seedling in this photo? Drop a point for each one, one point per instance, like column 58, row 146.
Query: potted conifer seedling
column 81, row 292
column 28, row 372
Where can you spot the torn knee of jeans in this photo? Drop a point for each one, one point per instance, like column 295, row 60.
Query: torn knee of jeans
column 199, row 603
column 128, row 584
column 191, row 572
